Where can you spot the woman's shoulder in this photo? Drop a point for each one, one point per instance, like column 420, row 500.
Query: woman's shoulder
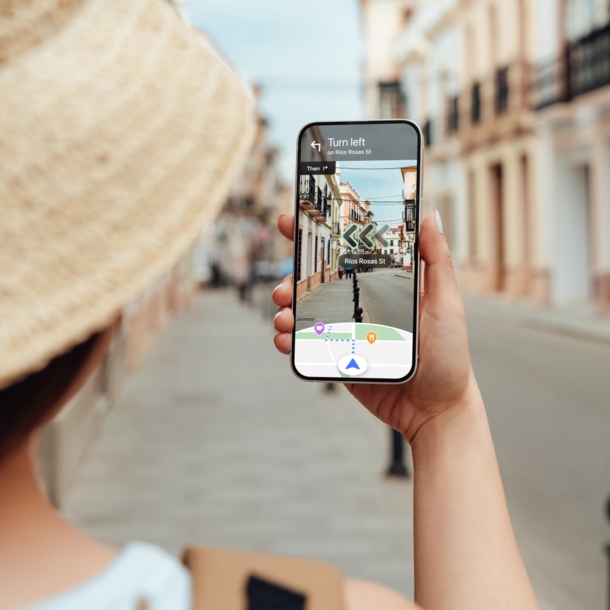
column 141, row 571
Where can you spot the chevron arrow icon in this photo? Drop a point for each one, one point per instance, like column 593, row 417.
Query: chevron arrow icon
column 350, row 236
column 380, row 236
column 366, row 239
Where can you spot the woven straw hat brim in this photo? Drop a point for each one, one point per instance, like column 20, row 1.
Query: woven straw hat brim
column 120, row 131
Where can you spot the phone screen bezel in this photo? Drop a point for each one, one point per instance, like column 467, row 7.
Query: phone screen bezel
column 416, row 258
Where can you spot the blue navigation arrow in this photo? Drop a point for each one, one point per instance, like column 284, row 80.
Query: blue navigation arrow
column 348, row 236
column 352, row 365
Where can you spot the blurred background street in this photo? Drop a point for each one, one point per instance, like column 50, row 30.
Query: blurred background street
column 195, row 431
column 214, row 441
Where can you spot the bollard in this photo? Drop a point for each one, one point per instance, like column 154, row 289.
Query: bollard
column 397, row 467
column 356, row 298
column 607, row 551
column 358, row 315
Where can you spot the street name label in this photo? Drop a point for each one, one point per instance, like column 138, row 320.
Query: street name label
column 365, row 261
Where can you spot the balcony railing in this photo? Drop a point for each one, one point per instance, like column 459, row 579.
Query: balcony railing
column 502, row 93
column 336, row 228
column 313, row 199
column 590, row 62
column 307, row 190
column 583, row 66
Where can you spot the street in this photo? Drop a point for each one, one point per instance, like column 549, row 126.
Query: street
column 215, row 442
column 388, row 297
column 547, row 399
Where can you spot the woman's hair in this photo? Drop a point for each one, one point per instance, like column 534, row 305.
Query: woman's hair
column 27, row 404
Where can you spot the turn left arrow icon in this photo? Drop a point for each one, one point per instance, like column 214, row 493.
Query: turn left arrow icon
column 348, row 236
column 380, row 236
column 314, row 144
column 365, row 237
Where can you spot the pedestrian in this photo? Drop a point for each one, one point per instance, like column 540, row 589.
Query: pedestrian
column 340, row 270
column 466, row 555
column 121, row 129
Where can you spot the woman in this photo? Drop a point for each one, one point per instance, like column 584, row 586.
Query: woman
column 466, row 556
column 120, row 131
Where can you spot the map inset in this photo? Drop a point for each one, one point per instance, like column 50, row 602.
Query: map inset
column 348, row 349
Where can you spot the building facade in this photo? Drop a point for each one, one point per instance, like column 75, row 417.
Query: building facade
column 318, row 231
column 513, row 100
column 571, row 100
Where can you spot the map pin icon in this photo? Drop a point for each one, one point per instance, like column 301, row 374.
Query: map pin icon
column 371, row 337
column 319, row 328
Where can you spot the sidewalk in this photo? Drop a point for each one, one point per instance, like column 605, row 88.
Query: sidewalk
column 330, row 302
column 579, row 321
column 215, row 442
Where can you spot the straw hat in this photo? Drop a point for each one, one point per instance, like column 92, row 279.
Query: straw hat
column 120, row 130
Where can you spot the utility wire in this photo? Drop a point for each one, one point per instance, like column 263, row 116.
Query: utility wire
column 375, row 169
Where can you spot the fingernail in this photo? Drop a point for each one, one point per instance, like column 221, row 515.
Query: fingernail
column 277, row 314
column 439, row 223
column 278, row 286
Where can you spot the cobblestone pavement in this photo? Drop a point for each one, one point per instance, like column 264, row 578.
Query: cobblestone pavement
column 215, row 442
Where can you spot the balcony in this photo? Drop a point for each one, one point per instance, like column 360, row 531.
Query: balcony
column 336, row 229
column 312, row 199
column 584, row 66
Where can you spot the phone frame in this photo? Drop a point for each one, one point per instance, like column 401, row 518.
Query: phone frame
column 416, row 258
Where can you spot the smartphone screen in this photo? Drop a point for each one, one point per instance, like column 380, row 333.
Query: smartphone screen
column 356, row 261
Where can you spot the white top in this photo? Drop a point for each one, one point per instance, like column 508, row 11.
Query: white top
column 141, row 571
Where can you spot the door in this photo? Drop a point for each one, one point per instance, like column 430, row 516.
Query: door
column 498, row 254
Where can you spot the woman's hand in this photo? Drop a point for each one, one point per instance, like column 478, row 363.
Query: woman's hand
column 442, row 382
column 466, row 556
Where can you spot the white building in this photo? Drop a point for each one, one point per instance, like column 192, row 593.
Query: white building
column 572, row 102
column 429, row 54
column 317, row 234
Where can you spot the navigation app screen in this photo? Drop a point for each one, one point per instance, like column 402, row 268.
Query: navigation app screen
column 355, row 269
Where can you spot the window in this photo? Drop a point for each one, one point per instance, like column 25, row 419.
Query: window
column 475, row 108
column 391, row 250
column 315, row 255
column 328, row 255
column 391, row 242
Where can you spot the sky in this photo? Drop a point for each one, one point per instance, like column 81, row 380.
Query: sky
column 382, row 187
column 306, row 55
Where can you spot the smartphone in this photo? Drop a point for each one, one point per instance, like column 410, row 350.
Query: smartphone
column 356, row 258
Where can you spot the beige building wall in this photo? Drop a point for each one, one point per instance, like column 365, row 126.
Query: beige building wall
column 382, row 23
column 500, row 153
